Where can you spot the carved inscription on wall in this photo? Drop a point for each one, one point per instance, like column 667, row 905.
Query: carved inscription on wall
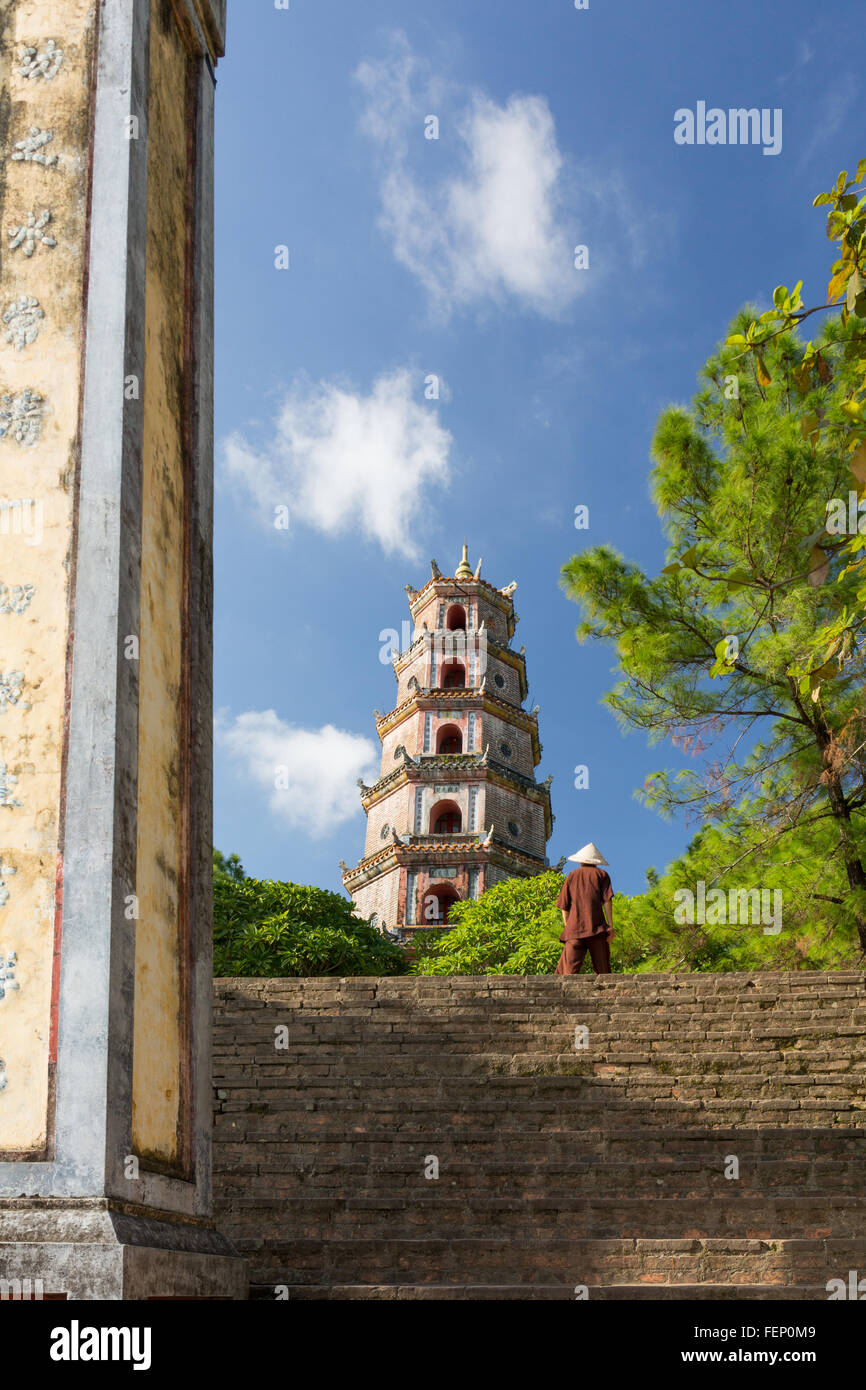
column 46, row 91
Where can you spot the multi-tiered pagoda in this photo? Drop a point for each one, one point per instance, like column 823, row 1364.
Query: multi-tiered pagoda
column 456, row 808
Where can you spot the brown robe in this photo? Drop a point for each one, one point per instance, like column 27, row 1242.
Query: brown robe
column 582, row 898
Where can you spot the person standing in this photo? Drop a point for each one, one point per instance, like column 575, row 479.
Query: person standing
column 586, row 903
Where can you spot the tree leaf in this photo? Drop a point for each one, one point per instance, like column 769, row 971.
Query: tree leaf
column 855, row 286
column 819, row 567
column 857, row 466
column 837, row 285
column 764, row 378
column 738, row 579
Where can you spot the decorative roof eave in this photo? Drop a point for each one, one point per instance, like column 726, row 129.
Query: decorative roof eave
column 433, row 697
column 417, row 855
column 471, row 767
column 427, row 767
column 505, row 653
column 444, row 583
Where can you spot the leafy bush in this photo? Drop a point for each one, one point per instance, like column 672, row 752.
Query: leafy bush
column 818, row 920
column 272, row 929
column 512, row 929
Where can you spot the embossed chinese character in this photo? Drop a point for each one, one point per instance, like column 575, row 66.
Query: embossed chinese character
column 40, row 63
column 23, row 317
column 30, row 148
column 17, row 599
column 31, row 233
column 4, row 874
column 10, row 689
column 7, row 974
column 22, row 416
column 7, row 782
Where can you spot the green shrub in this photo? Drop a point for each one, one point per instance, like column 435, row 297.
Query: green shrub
column 512, row 929
column 270, row 929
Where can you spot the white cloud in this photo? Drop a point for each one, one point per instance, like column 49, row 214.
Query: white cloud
column 344, row 462
column 491, row 229
column 832, row 113
column 805, row 54
column 321, row 767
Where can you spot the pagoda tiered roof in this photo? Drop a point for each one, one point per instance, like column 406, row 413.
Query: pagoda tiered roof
column 435, row 767
column 419, row 851
column 467, row 582
column 474, row 696
column 463, row 637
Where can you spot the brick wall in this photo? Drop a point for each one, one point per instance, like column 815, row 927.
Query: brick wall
column 504, row 806
column 396, row 810
column 707, row 1141
column 380, row 896
column 496, row 731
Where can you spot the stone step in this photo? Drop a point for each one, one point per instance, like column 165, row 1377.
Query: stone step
column 577, row 1122
column 561, row 1071
column 807, row 1216
column 585, row 1091
column 554, row 1016
column 641, row 1142
column 582, row 1261
column 560, row 1078
column 552, row 1293
column 547, row 1181
column 487, row 1155
column 336, row 1020
column 735, row 983
column 413, row 1034
column 372, row 1069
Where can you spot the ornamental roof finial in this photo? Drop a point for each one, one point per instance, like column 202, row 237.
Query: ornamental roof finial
column 464, row 569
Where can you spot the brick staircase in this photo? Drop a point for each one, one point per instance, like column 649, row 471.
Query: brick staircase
column 559, row 1166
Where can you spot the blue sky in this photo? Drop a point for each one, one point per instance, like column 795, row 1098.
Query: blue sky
column 411, row 257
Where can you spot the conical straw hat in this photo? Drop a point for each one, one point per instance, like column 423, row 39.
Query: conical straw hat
column 589, row 855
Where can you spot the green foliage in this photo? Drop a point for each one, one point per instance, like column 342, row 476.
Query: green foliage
column 272, row 929
column 746, row 651
column 819, row 930
column 512, row 929
column 842, row 428
column 712, row 651
column 229, row 866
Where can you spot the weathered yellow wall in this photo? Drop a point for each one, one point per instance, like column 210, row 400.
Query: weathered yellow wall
column 158, row 1111
column 34, row 642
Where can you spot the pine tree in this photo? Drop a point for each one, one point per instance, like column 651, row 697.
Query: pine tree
column 715, row 652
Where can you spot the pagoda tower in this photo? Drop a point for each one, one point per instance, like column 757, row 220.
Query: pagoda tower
column 456, row 808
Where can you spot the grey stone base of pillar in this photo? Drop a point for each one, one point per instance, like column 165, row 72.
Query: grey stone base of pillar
column 94, row 1249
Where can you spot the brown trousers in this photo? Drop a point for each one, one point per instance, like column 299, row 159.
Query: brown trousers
column 574, row 953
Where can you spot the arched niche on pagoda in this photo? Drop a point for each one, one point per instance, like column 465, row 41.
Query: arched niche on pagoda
column 438, row 901
column 446, row 818
column 449, row 739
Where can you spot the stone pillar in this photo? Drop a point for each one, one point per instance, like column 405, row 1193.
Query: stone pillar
column 106, row 475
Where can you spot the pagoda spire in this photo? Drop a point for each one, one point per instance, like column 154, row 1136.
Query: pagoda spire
column 464, row 569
